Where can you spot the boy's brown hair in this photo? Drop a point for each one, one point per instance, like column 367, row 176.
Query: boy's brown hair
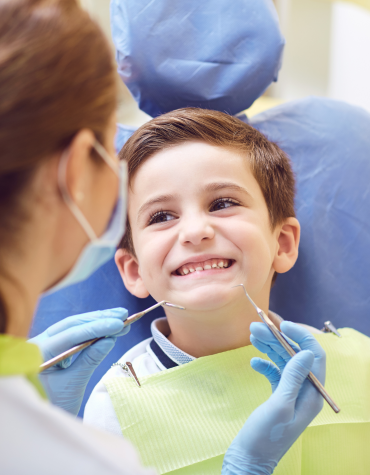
column 270, row 166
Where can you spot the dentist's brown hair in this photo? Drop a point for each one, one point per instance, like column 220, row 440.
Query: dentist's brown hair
column 57, row 76
column 270, row 165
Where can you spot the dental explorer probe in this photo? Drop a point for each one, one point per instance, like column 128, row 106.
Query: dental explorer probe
column 291, row 351
column 133, row 318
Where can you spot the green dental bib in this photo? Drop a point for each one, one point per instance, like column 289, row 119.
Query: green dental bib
column 18, row 357
column 182, row 420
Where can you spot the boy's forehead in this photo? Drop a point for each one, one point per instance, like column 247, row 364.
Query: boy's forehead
column 191, row 159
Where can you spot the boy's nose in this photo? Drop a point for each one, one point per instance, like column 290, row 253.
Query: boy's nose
column 195, row 230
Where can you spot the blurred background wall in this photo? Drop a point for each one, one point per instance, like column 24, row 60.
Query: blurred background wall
column 327, row 50
column 128, row 111
column 327, row 53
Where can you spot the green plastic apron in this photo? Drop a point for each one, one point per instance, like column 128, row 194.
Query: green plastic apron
column 17, row 357
column 182, row 420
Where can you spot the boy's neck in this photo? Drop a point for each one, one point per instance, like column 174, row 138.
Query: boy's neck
column 204, row 335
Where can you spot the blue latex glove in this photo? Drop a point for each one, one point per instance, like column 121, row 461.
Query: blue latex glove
column 66, row 382
column 275, row 425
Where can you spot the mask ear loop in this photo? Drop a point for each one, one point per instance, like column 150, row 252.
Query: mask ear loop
column 106, row 157
column 75, row 210
column 62, row 182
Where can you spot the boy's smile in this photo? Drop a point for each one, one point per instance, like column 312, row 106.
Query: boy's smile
column 203, row 263
column 200, row 225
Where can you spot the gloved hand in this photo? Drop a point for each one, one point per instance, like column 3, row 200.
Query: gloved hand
column 275, row 425
column 66, row 382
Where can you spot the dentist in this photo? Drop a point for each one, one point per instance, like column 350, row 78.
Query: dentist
column 62, row 213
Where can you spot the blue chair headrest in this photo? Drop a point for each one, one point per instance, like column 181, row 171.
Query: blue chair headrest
column 214, row 54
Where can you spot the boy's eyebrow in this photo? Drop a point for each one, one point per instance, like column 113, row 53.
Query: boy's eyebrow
column 157, row 199
column 222, row 185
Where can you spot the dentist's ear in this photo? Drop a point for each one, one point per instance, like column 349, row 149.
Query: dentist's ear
column 128, row 267
column 288, row 235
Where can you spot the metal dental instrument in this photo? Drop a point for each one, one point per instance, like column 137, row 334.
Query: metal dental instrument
column 291, row 351
column 129, row 369
column 330, row 328
column 133, row 318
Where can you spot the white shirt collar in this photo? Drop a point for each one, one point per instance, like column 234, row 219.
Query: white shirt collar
column 160, row 330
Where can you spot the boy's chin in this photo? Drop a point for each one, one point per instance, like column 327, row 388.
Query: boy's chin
column 207, row 298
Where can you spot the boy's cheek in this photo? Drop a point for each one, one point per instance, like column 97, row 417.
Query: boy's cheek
column 151, row 257
column 257, row 255
column 249, row 238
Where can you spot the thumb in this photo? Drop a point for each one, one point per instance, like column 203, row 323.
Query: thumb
column 294, row 375
column 267, row 369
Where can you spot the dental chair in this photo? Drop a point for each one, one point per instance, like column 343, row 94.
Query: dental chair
column 213, row 55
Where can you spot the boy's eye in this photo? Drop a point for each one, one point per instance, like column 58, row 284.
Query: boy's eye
column 160, row 217
column 223, row 203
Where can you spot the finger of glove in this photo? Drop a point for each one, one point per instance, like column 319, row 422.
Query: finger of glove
column 263, row 334
column 267, row 369
column 307, row 341
column 293, row 376
column 65, row 340
column 66, row 363
column 92, row 356
column 76, row 320
column 123, row 332
column 303, row 337
column 277, row 359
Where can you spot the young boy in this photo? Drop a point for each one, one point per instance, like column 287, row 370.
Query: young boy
column 211, row 206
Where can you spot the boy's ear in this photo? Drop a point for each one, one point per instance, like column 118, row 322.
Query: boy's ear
column 288, row 241
column 128, row 267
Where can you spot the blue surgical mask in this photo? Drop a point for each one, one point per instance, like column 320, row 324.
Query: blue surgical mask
column 100, row 249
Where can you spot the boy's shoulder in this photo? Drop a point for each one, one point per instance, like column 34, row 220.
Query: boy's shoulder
column 134, row 353
column 313, row 330
column 99, row 411
column 140, row 358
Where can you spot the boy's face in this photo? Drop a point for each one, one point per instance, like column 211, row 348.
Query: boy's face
column 200, row 225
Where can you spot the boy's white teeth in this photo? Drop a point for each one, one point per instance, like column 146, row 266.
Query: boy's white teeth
column 206, row 265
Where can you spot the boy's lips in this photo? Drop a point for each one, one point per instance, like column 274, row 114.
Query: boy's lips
column 197, row 265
